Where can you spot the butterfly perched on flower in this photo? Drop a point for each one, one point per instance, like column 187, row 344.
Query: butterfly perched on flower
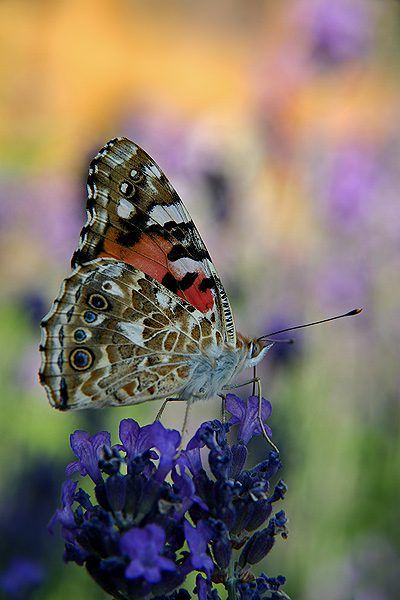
column 143, row 315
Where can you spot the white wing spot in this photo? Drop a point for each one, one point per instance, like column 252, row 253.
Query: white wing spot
column 163, row 300
column 133, row 331
column 125, row 209
column 126, row 187
column 162, row 215
column 112, row 288
column 151, row 187
column 154, row 170
column 186, row 265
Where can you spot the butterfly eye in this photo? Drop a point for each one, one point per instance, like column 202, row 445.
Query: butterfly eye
column 127, row 189
column 135, row 175
column 79, row 335
column 98, row 301
column 81, row 359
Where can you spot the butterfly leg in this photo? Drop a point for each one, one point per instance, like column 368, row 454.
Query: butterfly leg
column 223, row 408
column 185, row 420
column 164, row 404
column 257, row 383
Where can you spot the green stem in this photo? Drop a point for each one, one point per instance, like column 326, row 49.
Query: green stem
column 230, row 584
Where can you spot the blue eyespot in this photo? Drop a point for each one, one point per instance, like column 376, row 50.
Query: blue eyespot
column 98, row 302
column 79, row 335
column 81, row 359
column 89, row 316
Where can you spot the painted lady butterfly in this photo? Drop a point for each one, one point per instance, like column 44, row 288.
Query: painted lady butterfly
column 143, row 315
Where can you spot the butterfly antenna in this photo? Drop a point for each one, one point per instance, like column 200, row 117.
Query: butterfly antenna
column 356, row 311
column 287, row 341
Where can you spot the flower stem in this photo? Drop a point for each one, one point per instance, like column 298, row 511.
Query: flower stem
column 230, row 584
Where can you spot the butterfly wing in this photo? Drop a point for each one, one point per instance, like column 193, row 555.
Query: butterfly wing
column 143, row 302
column 136, row 216
column 116, row 337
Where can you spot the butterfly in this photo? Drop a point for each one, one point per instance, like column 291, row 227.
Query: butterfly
column 143, row 315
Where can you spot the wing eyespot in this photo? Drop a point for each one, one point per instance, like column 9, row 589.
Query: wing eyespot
column 98, row 302
column 79, row 335
column 136, row 175
column 127, row 189
column 81, row 359
column 89, row 316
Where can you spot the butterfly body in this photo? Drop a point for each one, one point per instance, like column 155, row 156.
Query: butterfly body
column 143, row 315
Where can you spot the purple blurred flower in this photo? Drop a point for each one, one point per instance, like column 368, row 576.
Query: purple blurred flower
column 338, row 31
column 21, row 577
column 353, row 179
column 26, row 550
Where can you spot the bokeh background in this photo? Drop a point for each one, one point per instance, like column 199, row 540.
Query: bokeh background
column 279, row 125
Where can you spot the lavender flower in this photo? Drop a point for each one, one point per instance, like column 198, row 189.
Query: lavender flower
column 167, row 516
column 339, row 31
column 28, row 497
column 22, row 576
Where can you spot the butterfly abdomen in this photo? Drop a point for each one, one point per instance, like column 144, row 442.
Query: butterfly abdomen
column 211, row 371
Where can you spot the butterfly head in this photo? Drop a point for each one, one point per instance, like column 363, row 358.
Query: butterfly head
column 257, row 350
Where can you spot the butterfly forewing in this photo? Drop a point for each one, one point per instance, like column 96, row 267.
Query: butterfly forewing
column 135, row 215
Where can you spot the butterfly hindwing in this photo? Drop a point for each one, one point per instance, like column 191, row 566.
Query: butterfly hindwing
column 116, row 337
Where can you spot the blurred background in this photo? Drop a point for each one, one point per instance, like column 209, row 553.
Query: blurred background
column 279, row 125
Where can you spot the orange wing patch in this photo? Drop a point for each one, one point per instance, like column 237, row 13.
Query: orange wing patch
column 150, row 255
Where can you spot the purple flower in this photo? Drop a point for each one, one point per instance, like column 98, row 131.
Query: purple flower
column 191, row 459
column 88, row 450
column 136, row 441
column 167, row 442
column 204, row 589
column 353, row 180
column 247, row 416
column 197, row 539
column 132, row 537
column 339, row 31
column 129, row 432
column 187, row 491
column 144, row 547
column 65, row 515
column 21, row 577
